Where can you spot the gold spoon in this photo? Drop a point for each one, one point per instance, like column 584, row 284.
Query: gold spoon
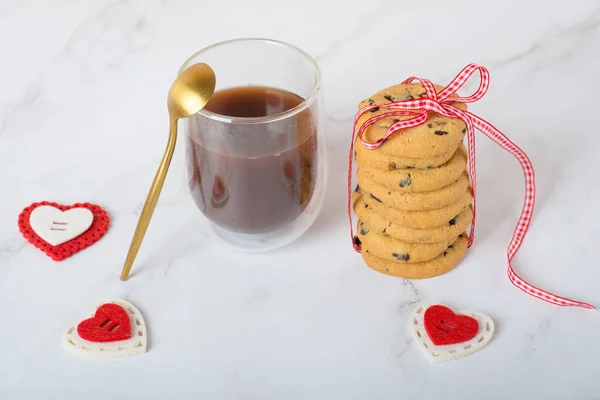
column 189, row 93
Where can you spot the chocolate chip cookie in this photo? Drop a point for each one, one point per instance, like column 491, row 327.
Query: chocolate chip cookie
column 410, row 219
column 388, row 248
column 443, row 263
column 419, row 180
column 413, row 201
column 387, row 162
column 437, row 136
column 449, row 230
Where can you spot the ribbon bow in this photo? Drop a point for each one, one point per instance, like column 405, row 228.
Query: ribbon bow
column 418, row 110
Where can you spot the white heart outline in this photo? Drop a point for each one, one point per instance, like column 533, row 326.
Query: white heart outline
column 42, row 221
column 135, row 345
column 443, row 353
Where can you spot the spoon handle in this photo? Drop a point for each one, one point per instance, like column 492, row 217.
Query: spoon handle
column 151, row 200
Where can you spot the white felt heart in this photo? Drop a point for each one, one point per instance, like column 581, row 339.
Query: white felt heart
column 135, row 345
column 442, row 353
column 57, row 227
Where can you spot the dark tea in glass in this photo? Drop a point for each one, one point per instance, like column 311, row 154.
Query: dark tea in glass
column 252, row 186
column 256, row 164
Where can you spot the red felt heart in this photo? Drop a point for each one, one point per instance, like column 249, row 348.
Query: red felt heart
column 443, row 326
column 67, row 249
column 110, row 324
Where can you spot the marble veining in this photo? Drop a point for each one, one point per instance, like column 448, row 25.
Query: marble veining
column 83, row 118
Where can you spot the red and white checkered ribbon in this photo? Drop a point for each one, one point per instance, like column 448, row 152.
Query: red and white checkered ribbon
column 439, row 103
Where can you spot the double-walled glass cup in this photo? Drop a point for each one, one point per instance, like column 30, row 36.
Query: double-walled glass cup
column 256, row 157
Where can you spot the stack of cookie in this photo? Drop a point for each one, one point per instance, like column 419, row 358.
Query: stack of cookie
column 413, row 198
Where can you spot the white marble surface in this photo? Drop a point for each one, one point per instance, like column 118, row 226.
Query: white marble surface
column 83, row 118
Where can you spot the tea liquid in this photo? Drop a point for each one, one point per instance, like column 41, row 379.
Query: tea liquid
column 257, row 177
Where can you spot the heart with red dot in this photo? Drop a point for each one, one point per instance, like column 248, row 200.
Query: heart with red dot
column 444, row 334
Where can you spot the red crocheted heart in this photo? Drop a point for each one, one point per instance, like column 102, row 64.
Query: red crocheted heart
column 67, row 249
column 110, row 324
column 443, row 326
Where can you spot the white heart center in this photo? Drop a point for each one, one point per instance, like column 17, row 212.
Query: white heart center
column 56, row 227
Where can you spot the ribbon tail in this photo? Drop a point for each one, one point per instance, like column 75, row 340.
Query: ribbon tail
column 526, row 215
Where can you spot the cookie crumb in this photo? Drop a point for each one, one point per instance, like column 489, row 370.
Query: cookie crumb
column 441, row 133
column 388, row 97
column 453, row 221
column 356, row 241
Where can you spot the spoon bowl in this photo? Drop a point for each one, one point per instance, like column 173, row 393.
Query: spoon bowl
column 191, row 91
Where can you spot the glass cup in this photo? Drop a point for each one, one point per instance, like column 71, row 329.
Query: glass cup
column 256, row 157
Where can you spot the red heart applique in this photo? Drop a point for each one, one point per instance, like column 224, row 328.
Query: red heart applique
column 443, row 326
column 110, row 324
column 67, row 249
